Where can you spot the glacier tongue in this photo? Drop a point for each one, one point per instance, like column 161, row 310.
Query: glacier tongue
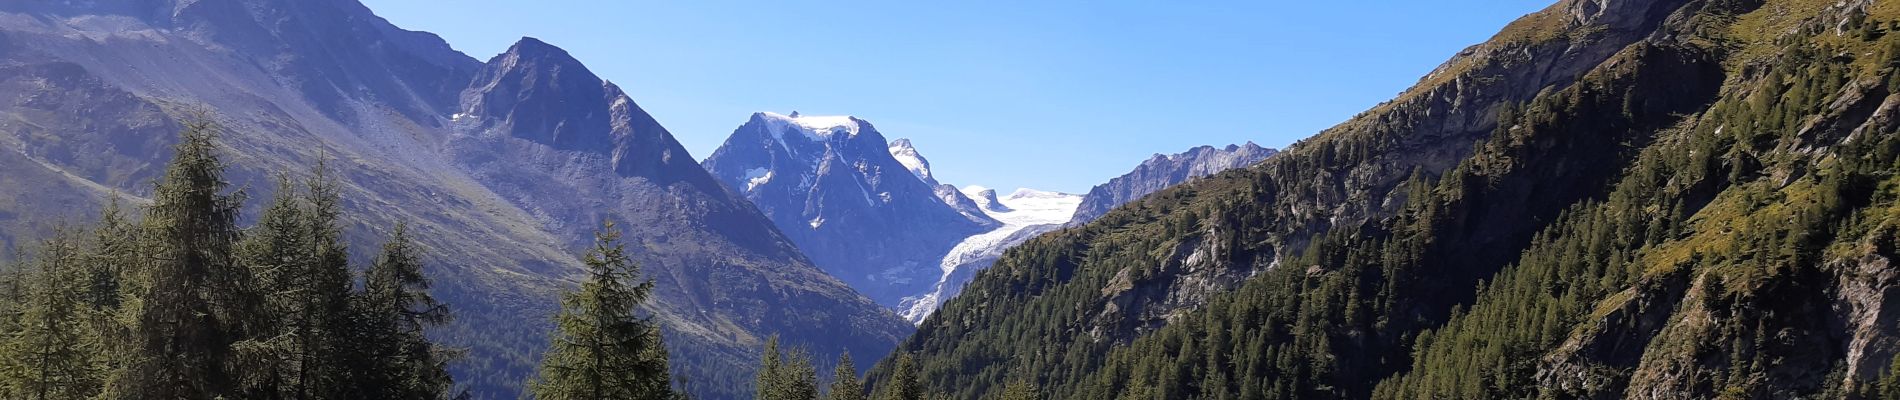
column 1025, row 214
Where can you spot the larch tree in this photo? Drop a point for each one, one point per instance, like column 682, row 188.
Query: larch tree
column 845, row 384
column 297, row 255
column 763, row 386
column 54, row 354
column 786, row 377
column 600, row 348
column 193, row 301
column 391, row 358
column 277, row 252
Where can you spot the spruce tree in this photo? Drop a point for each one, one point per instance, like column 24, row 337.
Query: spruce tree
column 193, row 302
column 844, row 381
column 600, row 349
column 55, row 354
column 392, row 359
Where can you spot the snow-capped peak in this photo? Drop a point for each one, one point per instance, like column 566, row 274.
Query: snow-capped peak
column 816, row 128
column 907, row 155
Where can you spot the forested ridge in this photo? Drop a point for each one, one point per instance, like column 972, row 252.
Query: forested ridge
column 1702, row 211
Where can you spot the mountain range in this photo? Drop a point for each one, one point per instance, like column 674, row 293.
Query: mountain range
column 872, row 212
column 502, row 168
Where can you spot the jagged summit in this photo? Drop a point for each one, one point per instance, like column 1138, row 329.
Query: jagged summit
column 539, row 92
column 532, row 47
column 905, row 154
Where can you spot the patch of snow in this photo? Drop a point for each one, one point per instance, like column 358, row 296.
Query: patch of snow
column 756, row 177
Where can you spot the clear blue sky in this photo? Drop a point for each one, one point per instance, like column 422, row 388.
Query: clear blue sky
column 1056, row 95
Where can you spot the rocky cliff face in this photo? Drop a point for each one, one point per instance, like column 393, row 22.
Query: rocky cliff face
column 834, row 187
column 1162, row 171
column 502, row 168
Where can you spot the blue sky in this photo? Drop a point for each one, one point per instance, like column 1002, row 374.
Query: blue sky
column 1056, row 95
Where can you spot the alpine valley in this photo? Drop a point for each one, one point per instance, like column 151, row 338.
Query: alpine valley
column 1655, row 199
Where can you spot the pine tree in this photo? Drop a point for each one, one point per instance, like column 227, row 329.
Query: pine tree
column 844, row 381
column 601, row 349
column 54, row 354
column 194, row 302
column 392, row 358
column 905, row 383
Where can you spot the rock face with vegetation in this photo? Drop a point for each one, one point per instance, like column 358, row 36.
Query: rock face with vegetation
column 502, row 169
column 1608, row 199
column 1161, row 171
